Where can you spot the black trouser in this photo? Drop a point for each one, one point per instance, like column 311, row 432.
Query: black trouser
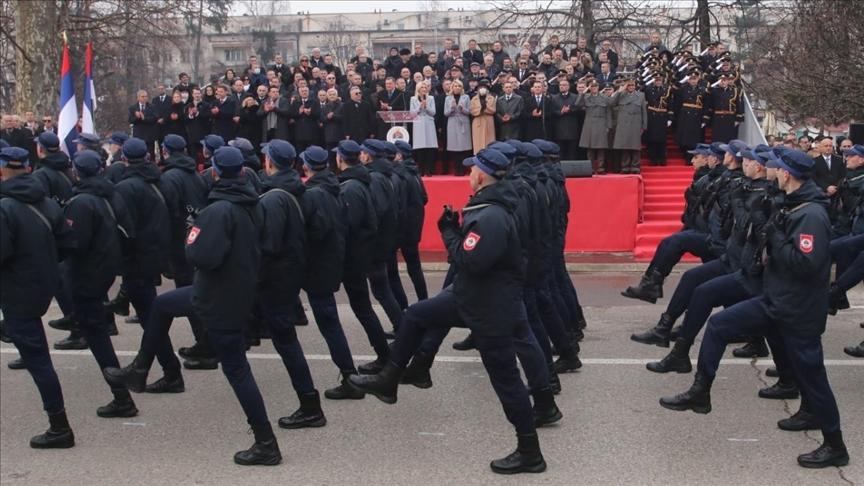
column 569, row 149
column 326, row 315
column 692, row 279
column 674, row 246
column 358, row 298
column 142, row 295
column 656, row 152
column 425, row 159
column 280, row 318
column 380, row 284
column 28, row 336
column 230, row 346
column 183, row 277
column 411, row 255
column 90, row 312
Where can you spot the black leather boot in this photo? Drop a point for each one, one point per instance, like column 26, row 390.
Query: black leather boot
column 121, row 406
column 832, row 452
column 383, row 385
column 837, row 300
column 120, row 304
column 167, row 384
column 697, row 398
column 855, row 351
column 417, row 372
column 201, row 363
column 466, row 344
column 197, row 350
column 546, row 412
column 3, row 336
column 65, row 323
column 784, row 389
column 676, row 331
column 554, row 380
column 678, row 359
column 74, row 341
column 16, row 364
column 800, row 421
column 771, row 372
column 308, row 415
column 344, row 391
column 650, row 288
column 58, row 436
column 372, row 367
column 133, row 376
column 265, row 450
column 755, row 348
column 526, row 458
column 658, row 335
column 567, row 362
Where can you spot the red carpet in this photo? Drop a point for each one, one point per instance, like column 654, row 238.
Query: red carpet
column 664, row 201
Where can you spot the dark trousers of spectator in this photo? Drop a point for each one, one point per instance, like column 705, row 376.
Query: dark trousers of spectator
column 628, row 161
column 358, row 298
column 569, row 149
column 280, row 318
column 802, row 355
column 90, row 313
column 425, row 159
column 411, row 255
column 454, row 162
column 598, row 160
column 692, row 279
column 656, row 152
column 673, row 247
column 379, row 281
column 230, row 347
column 498, row 354
column 28, row 336
column 327, row 318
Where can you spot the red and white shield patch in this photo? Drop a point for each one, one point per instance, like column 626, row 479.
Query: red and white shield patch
column 470, row 241
column 69, row 222
column 805, row 243
column 193, row 235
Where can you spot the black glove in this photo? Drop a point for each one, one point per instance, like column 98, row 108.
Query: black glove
column 449, row 220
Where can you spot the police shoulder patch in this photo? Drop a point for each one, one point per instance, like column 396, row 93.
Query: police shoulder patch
column 805, row 243
column 470, row 241
column 193, row 235
column 69, row 222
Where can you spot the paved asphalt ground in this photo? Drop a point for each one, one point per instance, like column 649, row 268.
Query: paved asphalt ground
column 613, row 432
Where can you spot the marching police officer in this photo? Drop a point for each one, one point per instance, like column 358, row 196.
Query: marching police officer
column 33, row 232
column 485, row 296
column 95, row 262
column 211, row 144
column 146, row 202
column 185, row 195
column 283, row 261
column 222, row 246
column 791, row 312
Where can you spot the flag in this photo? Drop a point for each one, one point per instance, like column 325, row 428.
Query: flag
column 89, row 105
column 68, row 118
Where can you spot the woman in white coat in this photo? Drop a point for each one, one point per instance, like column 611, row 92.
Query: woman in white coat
column 457, row 107
column 425, row 142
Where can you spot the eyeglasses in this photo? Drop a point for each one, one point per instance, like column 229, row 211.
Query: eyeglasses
column 46, row 120
column 304, row 60
column 331, row 77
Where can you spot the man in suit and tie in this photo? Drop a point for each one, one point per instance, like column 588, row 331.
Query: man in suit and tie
column 306, row 113
column 508, row 111
column 162, row 104
column 223, row 112
column 472, row 54
column 828, row 169
column 606, row 75
column 142, row 117
column 534, row 116
column 390, row 99
column 283, row 70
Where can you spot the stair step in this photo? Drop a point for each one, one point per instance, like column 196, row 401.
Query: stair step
column 652, row 215
column 658, row 227
column 665, row 206
column 652, row 198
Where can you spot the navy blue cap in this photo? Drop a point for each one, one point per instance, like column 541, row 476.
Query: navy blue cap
column 134, row 149
column 507, row 149
column 14, row 158
column 213, row 142
column 390, row 149
column 48, row 140
column 701, row 149
column 761, row 148
column 372, row 147
column 547, row 147
column 281, row 152
column 315, row 157
column 752, row 154
column 174, row 143
column 90, row 140
column 531, row 151
column 717, row 150
column 117, row 138
column 348, row 150
column 227, row 161
column 796, row 162
column 855, row 150
column 489, row 161
column 87, row 163
column 243, row 144
column 734, row 148
column 403, row 147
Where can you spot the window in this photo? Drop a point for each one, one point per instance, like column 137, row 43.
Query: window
column 185, row 56
column 233, row 55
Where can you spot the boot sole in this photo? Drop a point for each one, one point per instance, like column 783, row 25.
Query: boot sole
column 703, row 409
column 662, row 344
column 799, row 429
column 854, row 354
column 534, row 468
column 423, row 385
column 750, row 355
column 838, row 462
column 643, row 299
column 304, row 425
column 131, row 413
column 390, row 400
column 670, row 370
column 270, row 462
column 550, row 420
column 53, row 446
column 788, row 396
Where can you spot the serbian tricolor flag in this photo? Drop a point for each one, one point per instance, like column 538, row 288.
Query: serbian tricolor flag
column 68, row 118
column 87, row 124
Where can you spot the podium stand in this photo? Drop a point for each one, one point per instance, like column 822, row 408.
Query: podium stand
column 395, row 118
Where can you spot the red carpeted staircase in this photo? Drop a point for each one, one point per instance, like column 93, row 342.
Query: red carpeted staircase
column 664, row 200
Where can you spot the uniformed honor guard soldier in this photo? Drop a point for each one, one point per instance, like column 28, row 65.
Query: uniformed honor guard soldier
column 222, row 246
column 689, row 109
column 33, row 234
column 724, row 110
column 791, row 312
column 485, row 296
